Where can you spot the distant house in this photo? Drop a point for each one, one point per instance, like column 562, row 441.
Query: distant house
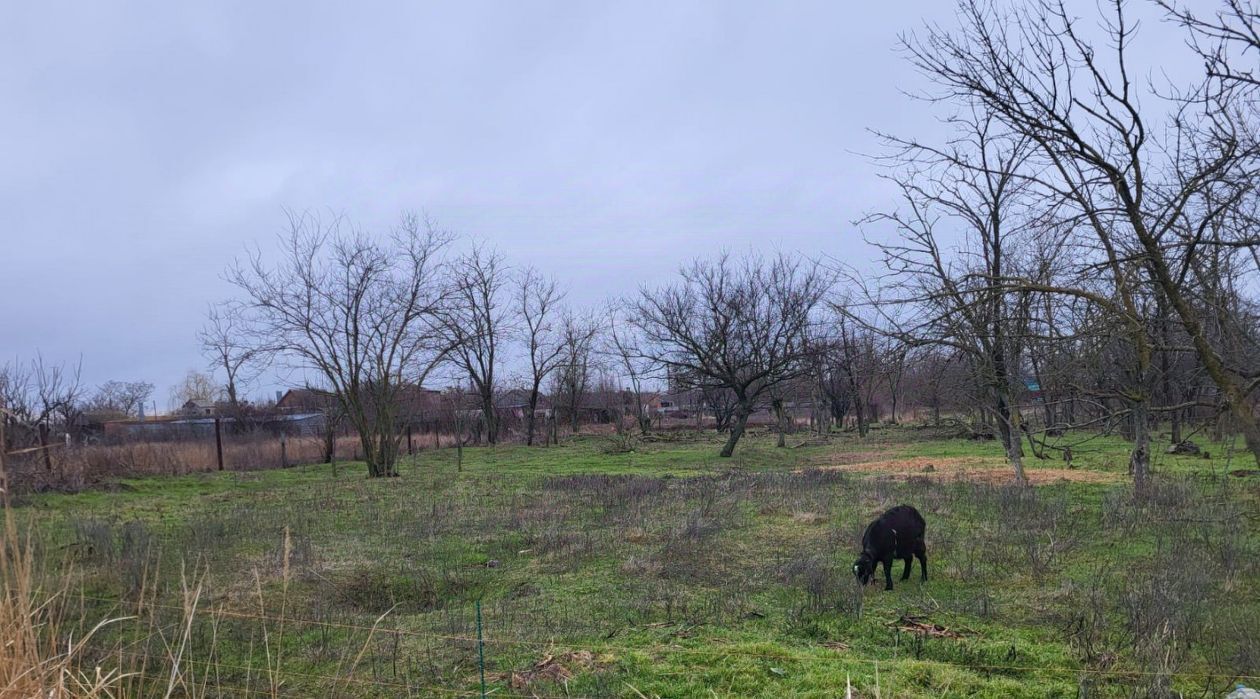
column 197, row 408
column 514, row 402
column 415, row 403
column 300, row 400
column 679, row 404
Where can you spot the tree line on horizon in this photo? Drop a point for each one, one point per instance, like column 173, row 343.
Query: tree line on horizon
column 1078, row 255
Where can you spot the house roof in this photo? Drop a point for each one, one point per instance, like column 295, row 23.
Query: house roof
column 519, row 398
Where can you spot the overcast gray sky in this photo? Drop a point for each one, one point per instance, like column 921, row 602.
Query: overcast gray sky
column 144, row 145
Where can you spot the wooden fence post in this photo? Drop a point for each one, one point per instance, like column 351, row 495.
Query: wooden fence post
column 284, row 455
column 218, row 441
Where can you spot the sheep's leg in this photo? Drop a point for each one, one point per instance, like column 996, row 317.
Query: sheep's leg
column 888, row 573
column 905, row 572
column 921, row 553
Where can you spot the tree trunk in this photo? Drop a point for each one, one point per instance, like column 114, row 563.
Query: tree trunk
column 1231, row 389
column 490, row 417
column 859, row 415
column 529, row 417
column 1014, row 445
column 1140, row 456
column 737, row 430
column 1009, row 433
column 459, row 443
column 778, row 417
column 380, row 452
column 330, row 445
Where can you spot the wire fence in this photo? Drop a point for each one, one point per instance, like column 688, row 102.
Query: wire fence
column 75, row 463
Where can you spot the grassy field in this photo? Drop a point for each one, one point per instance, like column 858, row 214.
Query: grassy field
column 667, row 572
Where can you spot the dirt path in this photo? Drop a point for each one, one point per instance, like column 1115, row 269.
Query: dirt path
column 973, row 468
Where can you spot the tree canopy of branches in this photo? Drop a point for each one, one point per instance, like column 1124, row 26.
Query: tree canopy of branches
column 475, row 324
column 621, row 345
column 227, row 349
column 737, row 324
column 572, row 375
column 538, row 302
column 40, row 395
column 356, row 311
column 122, row 397
column 1150, row 181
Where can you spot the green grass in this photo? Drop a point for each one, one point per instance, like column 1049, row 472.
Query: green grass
column 681, row 573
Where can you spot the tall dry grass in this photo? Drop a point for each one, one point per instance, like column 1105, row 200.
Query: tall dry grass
column 44, row 650
column 50, row 649
column 34, row 660
column 78, row 467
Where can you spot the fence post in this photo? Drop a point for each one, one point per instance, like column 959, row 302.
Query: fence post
column 218, row 442
column 481, row 652
column 45, row 447
column 284, row 453
column 410, row 450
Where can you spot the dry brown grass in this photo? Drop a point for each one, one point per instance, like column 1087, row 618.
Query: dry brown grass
column 970, row 468
column 85, row 466
column 33, row 660
column 45, row 652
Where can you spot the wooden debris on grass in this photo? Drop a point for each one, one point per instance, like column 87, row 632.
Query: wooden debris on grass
column 921, row 626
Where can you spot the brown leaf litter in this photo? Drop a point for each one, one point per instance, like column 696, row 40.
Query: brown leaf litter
column 558, row 668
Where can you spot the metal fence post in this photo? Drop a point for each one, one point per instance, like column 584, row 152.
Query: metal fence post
column 481, row 652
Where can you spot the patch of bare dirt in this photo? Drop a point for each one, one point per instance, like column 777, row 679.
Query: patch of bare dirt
column 985, row 470
column 852, row 457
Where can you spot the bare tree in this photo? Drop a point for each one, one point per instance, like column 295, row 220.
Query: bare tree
column 973, row 185
column 622, row 345
column 1216, row 36
column 574, row 367
column 733, row 324
column 40, row 396
column 538, row 302
column 1151, row 191
column 475, row 323
column 857, row 363
column 123, row 397
column 225, row 346
column 832, row 395
column 357, row 312
column 196, row 387
column 719, row 401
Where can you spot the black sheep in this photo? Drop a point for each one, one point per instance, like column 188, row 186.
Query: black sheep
column 898, row 533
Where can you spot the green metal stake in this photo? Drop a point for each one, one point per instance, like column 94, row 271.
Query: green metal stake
column 481, row 652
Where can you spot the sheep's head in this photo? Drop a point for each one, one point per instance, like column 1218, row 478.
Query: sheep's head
column 864, row 569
